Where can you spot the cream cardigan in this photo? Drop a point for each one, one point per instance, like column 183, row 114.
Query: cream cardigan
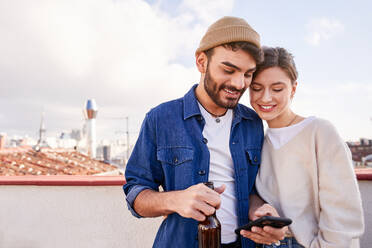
column 311, row 180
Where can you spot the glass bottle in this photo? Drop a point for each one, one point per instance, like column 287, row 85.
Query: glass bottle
column 209, row 230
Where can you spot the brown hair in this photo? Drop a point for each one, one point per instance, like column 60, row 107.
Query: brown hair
column 247, row 47
column 278, row 57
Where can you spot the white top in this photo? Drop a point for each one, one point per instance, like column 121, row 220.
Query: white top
column 281, row 136
column 311, row 180
column 221, row 169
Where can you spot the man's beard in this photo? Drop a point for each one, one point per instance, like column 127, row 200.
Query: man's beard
column 212, row 90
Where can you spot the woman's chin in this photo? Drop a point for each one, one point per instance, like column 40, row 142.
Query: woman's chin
column 266, row 117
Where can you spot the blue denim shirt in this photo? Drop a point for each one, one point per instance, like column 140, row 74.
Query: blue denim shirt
column 171, row 152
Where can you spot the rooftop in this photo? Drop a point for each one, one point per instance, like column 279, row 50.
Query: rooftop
column 26, row 161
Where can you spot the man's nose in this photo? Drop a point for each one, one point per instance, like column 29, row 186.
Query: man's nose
column 238, row 82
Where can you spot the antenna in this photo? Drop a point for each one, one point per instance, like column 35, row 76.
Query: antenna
column 42, row 130
column 126, row 118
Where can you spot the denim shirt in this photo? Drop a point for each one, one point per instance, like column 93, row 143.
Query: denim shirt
column 171, row 152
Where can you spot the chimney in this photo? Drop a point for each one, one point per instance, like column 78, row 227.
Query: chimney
column 90, row 112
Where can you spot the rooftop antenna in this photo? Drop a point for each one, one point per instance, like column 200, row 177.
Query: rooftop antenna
column 42, row 130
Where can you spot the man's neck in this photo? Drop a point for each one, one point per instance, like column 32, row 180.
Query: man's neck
column 207, row 103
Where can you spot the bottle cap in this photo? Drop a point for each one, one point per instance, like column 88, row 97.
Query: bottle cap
column 209, row 185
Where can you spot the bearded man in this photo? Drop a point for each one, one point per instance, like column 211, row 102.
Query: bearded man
column 204, row 136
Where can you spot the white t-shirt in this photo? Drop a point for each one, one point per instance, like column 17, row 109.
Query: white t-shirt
column 281, row 136
column 221, row 169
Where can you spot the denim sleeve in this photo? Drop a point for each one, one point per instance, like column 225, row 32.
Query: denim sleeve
column 143, row 170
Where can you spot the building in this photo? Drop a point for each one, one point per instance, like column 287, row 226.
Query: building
column 360, row 150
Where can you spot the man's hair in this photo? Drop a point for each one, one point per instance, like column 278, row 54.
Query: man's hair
column 278, row 57
column 247, row 47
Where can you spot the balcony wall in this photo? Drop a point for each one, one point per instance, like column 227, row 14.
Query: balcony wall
column 88, row 212
column 91, row 215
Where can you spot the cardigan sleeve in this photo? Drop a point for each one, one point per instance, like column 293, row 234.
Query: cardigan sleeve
column 341, row 213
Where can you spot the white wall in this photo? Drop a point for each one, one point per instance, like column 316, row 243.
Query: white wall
column 366, row 191
column 69, row 216
column 90, row 216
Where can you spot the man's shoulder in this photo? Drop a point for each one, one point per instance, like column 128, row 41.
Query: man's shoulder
column 172, row 107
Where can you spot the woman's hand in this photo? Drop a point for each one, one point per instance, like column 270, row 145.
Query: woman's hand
column 266, row 235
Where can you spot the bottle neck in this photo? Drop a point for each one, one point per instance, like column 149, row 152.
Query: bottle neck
column 211, row 186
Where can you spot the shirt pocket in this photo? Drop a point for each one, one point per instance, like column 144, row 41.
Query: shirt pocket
column 177, row 163
column 253, row 156
column 175, row 155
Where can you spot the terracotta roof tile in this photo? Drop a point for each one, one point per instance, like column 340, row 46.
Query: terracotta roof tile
column 26, row 161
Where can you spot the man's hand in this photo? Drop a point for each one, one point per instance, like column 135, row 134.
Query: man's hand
column 197, row 201
column 267, row 235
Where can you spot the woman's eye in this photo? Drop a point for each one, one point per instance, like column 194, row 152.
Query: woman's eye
column 255, row 88
column 277, row 90
column 228, row 71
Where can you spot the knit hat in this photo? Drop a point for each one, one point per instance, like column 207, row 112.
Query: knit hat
column 228, row 29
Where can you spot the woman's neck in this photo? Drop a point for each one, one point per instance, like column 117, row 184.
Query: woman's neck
column 285, row 120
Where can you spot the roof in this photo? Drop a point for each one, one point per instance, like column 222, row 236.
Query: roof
column 26, row 161
column 364, row 173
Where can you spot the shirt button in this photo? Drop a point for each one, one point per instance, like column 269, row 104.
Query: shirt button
column 199, row 118
column 218, row 120
column 205, row 141
column 202, row 172
column 175, row 160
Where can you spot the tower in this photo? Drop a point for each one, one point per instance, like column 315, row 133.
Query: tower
column 90, row 113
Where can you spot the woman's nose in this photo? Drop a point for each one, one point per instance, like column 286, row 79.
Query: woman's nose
column 266, row 96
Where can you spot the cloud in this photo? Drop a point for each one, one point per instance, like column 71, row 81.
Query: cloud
column 208, row 10
column 322, row 29
column 345, row 104
column 128, row 55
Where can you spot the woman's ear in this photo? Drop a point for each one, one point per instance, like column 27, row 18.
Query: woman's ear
column 201, row 60
column 294, row 87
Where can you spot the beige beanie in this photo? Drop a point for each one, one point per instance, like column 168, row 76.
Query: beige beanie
column 228, row 29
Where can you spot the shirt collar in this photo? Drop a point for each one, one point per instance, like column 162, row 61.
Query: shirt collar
column 190, row 104
column 191, row 107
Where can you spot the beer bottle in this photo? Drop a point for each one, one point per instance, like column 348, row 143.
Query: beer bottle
column 209, row 230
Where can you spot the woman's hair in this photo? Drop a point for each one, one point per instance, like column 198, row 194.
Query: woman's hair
column 278, row 57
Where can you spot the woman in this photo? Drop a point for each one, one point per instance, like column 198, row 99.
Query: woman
column 306, row 170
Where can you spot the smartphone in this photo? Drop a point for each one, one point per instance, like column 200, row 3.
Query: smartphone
column 277, row 222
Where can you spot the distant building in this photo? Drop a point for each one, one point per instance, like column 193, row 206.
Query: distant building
column 360, row 150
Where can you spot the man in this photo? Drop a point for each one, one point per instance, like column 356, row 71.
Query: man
column 204, row 136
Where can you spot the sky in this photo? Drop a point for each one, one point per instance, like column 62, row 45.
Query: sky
column 131, row 55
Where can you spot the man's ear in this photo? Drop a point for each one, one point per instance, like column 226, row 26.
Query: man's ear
column 201, row 60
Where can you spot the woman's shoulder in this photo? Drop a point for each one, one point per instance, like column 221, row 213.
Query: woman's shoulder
column 324, row 128
column 322, row 123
